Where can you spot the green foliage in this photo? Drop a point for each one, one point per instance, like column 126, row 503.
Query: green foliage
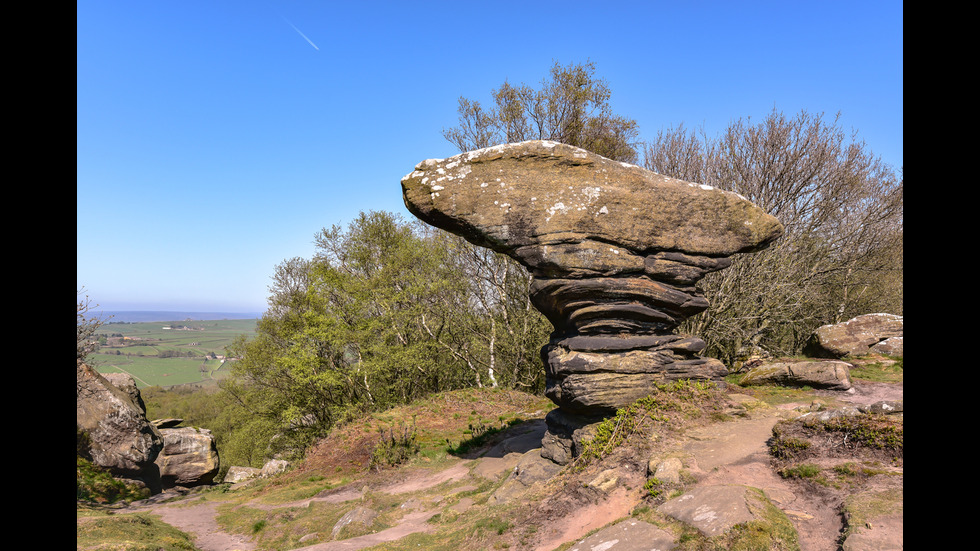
column 386, row 312
column 653, row 487
column 868, row 430
column 94, row 484
column 787, row 448
column 571, row 107
column 803, row 470
column 394, row 449
column 480, row 433
column 132, row 532
column 683, row 397
column 241, row 437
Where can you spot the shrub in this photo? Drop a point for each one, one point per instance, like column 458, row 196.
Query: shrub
column 394, row 449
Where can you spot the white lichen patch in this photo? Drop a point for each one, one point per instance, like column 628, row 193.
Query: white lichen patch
column 591, row 192
column 557, row 207
column 604, row 210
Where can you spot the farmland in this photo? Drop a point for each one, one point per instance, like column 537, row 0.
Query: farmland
column 169, row 353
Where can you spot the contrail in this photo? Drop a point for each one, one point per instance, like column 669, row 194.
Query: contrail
column 301, row 33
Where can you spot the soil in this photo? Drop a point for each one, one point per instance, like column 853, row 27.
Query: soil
column 719, row 453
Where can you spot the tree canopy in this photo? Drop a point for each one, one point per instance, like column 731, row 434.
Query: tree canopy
column 571, row 107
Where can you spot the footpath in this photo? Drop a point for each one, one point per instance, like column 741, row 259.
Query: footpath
column 724, row 457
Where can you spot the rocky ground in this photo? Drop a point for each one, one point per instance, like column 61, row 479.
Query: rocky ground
column 421, row 505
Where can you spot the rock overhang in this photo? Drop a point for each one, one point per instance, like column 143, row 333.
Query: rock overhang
column 543, row 193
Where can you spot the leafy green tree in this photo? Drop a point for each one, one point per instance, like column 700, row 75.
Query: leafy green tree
column 496, row 331
column 571, row 107
column 350, row 329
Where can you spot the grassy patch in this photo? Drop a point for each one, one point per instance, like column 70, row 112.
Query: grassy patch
column 480, row 434
column 96, row 485
column 772, row 529
column 671, row 404
column 395, row 447
column 132, row 532
column 860, row 509
column 878, row 369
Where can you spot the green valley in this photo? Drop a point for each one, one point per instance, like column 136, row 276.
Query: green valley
column 169, row 353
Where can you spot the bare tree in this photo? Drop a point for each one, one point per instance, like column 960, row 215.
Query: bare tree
column 842, row 210
column 86, row 327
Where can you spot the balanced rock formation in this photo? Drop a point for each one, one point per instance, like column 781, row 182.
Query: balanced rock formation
column 615, row 252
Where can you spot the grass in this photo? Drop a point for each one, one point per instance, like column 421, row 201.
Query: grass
column 463, row 421
column 96, row 485
column 132, row 532
column 861, row 507
column 878, row 369
column 144, row 342
column 670, row 402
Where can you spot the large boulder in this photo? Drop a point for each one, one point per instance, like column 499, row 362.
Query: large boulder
column 824, row 374
column 189, row 457
column 561, row 208
column 866, row 334
column 119, row 437
column 614, row 251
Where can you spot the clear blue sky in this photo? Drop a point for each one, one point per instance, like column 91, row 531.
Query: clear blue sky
column 215, row 138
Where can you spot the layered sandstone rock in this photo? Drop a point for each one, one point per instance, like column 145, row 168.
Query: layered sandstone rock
column 114, row 422
column 866, row 334
column 615, row 252
column 189, row 457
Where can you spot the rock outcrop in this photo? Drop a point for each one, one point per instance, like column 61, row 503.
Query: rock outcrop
column 189, row 457
column 865, row 334
column 825, row 374
column 113, row 420
column 615, row 252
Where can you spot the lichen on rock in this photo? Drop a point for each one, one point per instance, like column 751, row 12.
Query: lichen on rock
column 615, row 252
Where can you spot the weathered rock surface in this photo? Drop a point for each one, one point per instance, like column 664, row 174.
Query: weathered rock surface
column 561, row 209
column 189, row 457
column 237, row 474
column 826, row 374
column 869, row 333
column 628, row 535
column 531, row 469
column 615, row 252
column 715, row 509
column 358, row 519
column 114, row 420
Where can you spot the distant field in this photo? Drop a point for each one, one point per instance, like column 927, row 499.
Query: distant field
column 169, row 353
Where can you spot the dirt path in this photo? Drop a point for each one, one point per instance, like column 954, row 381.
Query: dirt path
column 721, row 455
column 198, row 520
column 724, row 453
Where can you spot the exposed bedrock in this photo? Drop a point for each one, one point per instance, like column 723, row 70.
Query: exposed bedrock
column 614, row 250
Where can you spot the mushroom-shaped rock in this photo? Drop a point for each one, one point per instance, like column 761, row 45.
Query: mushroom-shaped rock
column 614, row 251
